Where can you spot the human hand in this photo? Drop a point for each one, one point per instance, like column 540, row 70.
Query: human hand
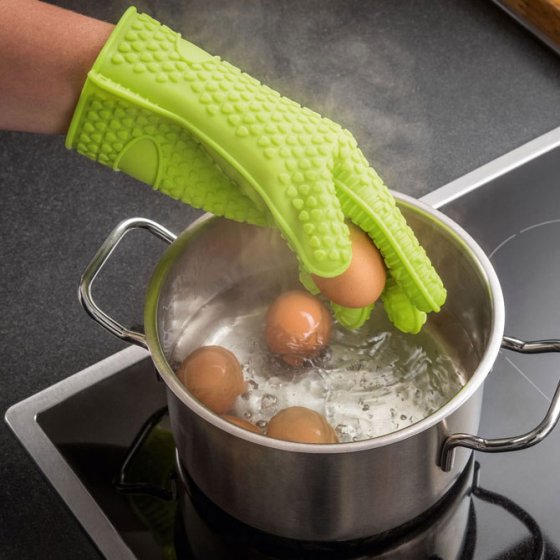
column 164, row 111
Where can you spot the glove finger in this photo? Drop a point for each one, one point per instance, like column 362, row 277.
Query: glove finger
column 310, row 219
column 352, row 317
column 307, row 281
column 369, row 204
column 400, row 309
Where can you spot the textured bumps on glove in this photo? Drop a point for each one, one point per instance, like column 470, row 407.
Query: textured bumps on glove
column 277, row 155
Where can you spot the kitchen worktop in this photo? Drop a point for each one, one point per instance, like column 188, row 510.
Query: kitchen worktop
column 431, row 89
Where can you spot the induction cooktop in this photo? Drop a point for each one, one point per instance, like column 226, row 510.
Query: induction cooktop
column 79, row 431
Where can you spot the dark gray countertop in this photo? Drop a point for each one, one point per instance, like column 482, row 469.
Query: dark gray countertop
column 432, row 89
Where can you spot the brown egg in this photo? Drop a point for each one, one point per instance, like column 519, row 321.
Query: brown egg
column 242, row 423
column 363, row 281
column 298, row 326
column 301, row 424
column 213, row 375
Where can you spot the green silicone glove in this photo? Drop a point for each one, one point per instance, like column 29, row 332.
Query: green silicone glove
column 166, row 112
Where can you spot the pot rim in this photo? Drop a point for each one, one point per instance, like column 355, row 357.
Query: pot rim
column 477, row 379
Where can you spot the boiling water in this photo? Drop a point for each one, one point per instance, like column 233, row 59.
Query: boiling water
column 368, row 383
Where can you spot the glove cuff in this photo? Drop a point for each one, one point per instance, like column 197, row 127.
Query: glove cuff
column 138, row 58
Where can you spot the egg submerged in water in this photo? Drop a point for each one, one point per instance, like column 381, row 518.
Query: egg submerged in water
column 242, row 423
column 363, row 281
column 213, row 375
column 302, row 425
column 298, row 327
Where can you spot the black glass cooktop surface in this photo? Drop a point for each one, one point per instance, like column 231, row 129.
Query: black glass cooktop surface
column 507, row 506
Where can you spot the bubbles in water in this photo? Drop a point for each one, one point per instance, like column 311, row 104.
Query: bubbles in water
column 369, row 383
column 269, row 404
column 251, row 384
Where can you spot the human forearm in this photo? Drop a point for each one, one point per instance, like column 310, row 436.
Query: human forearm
column 45, row 54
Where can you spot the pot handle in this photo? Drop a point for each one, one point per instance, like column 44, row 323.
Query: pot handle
column 513, row 443
column 97, row 263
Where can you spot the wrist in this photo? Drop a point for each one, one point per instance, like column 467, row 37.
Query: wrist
column 45, row 54
column 94, row 35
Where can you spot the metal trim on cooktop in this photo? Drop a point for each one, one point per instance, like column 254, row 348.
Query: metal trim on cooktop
column 495, row 168
column 22, row 417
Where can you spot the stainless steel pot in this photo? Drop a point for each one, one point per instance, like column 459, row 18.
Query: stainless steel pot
column 324, row 492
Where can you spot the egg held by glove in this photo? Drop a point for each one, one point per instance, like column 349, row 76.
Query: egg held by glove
column 213, row 375
column 363, row 281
